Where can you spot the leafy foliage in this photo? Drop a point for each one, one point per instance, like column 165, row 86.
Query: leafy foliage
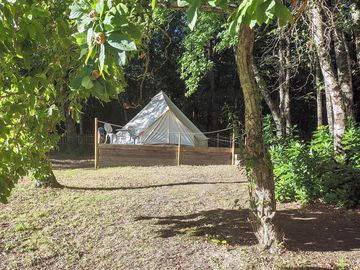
column 40, row 70
column 308, row 172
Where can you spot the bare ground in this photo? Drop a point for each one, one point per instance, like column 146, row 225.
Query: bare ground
column 163, row 218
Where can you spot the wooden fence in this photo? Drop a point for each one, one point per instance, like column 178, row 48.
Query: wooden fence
column 168, row 155
column 107, row 155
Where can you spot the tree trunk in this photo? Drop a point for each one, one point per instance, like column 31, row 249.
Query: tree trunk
column 343, row 64
column 259, row 169
column 81, row 129
column 126, row 119
column 329, row 113
column 270, row 102
column 284, row 81
column 211, row 105
column 70, row 129
column 355, row 14
column 319, row 94
column 330, row 80
column 44, row 177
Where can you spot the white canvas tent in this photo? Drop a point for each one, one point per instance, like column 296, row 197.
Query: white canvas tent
column 161, row 122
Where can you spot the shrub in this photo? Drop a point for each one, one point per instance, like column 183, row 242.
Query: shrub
column 305, row 172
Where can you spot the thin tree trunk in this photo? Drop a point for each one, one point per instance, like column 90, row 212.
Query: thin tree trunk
column 262, row 198
column 81, row 129
column 343, row 64
column 124, row 110
column 270, row 102
column 330, row 80
column 284, row 81
column 211, row 105
column 319, row 94
column 70, row 129
column 355, row 14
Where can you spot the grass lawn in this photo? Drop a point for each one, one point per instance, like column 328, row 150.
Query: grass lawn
column 163, row 218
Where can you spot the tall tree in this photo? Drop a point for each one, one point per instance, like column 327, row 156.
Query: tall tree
column 284, row 80
column 355, row 14
column 260, row 170
column 331, row 84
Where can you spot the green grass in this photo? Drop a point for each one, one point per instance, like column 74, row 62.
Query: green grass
column 132, row 218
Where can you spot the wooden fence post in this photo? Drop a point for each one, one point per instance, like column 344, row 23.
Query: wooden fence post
column 96, row 149
column 233, row 149
column 179, row 150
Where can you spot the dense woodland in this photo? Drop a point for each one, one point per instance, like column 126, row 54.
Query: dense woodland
column 276, row 71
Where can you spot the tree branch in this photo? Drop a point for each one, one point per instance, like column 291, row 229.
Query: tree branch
column 204, row 8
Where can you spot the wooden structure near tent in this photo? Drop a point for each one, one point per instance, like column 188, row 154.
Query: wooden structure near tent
column 109, row 155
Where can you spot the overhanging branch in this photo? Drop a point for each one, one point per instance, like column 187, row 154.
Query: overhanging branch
column 204, row 8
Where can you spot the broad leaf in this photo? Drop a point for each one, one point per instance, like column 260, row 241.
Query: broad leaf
column 192, row 13
column 102, row 57
column 87, row 82
column 121, row 42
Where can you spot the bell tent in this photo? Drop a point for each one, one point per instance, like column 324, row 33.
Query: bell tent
column 161, row 122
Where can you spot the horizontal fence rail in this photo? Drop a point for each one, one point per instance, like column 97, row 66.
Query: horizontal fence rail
column 78, row 139
column 167, row 155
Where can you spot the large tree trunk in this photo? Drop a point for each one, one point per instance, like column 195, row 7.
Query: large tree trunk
column 330, row 80
column 284, row 80
column 259, row 169
column 270, row 102
column 343, row 64
column 44, row 176
column 319, row 94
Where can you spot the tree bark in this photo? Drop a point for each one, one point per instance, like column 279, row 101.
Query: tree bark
column 330, row 80
column 270, row 102
column 81, row 129
column 319, row 94
column 44, row 177
column 355, row 14
column 284, row 81
column 211, row 106
column 259, row 169
column 343, row 64
column 70, row 129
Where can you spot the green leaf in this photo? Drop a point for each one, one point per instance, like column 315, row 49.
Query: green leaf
column 153, row 4
column 102, row 57
column 121, row 42
column 83, row 24
column 90, row 35
column 87, row 82
column 76, row 11
column 122, row 58
column 283, row 13
column 192, row 13
column 100, row 7
column 182, row 3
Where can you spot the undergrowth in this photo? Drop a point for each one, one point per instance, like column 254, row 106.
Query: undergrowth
column 306, row 172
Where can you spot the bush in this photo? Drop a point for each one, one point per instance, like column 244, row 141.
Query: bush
column 305, row 172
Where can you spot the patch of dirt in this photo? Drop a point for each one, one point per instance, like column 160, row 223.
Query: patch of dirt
column 163, row 218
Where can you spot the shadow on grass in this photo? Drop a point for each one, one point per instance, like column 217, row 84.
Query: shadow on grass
column 154, row 186
column 306, row 268
column 312, row 231
column 216, row 225
column 320, row 228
